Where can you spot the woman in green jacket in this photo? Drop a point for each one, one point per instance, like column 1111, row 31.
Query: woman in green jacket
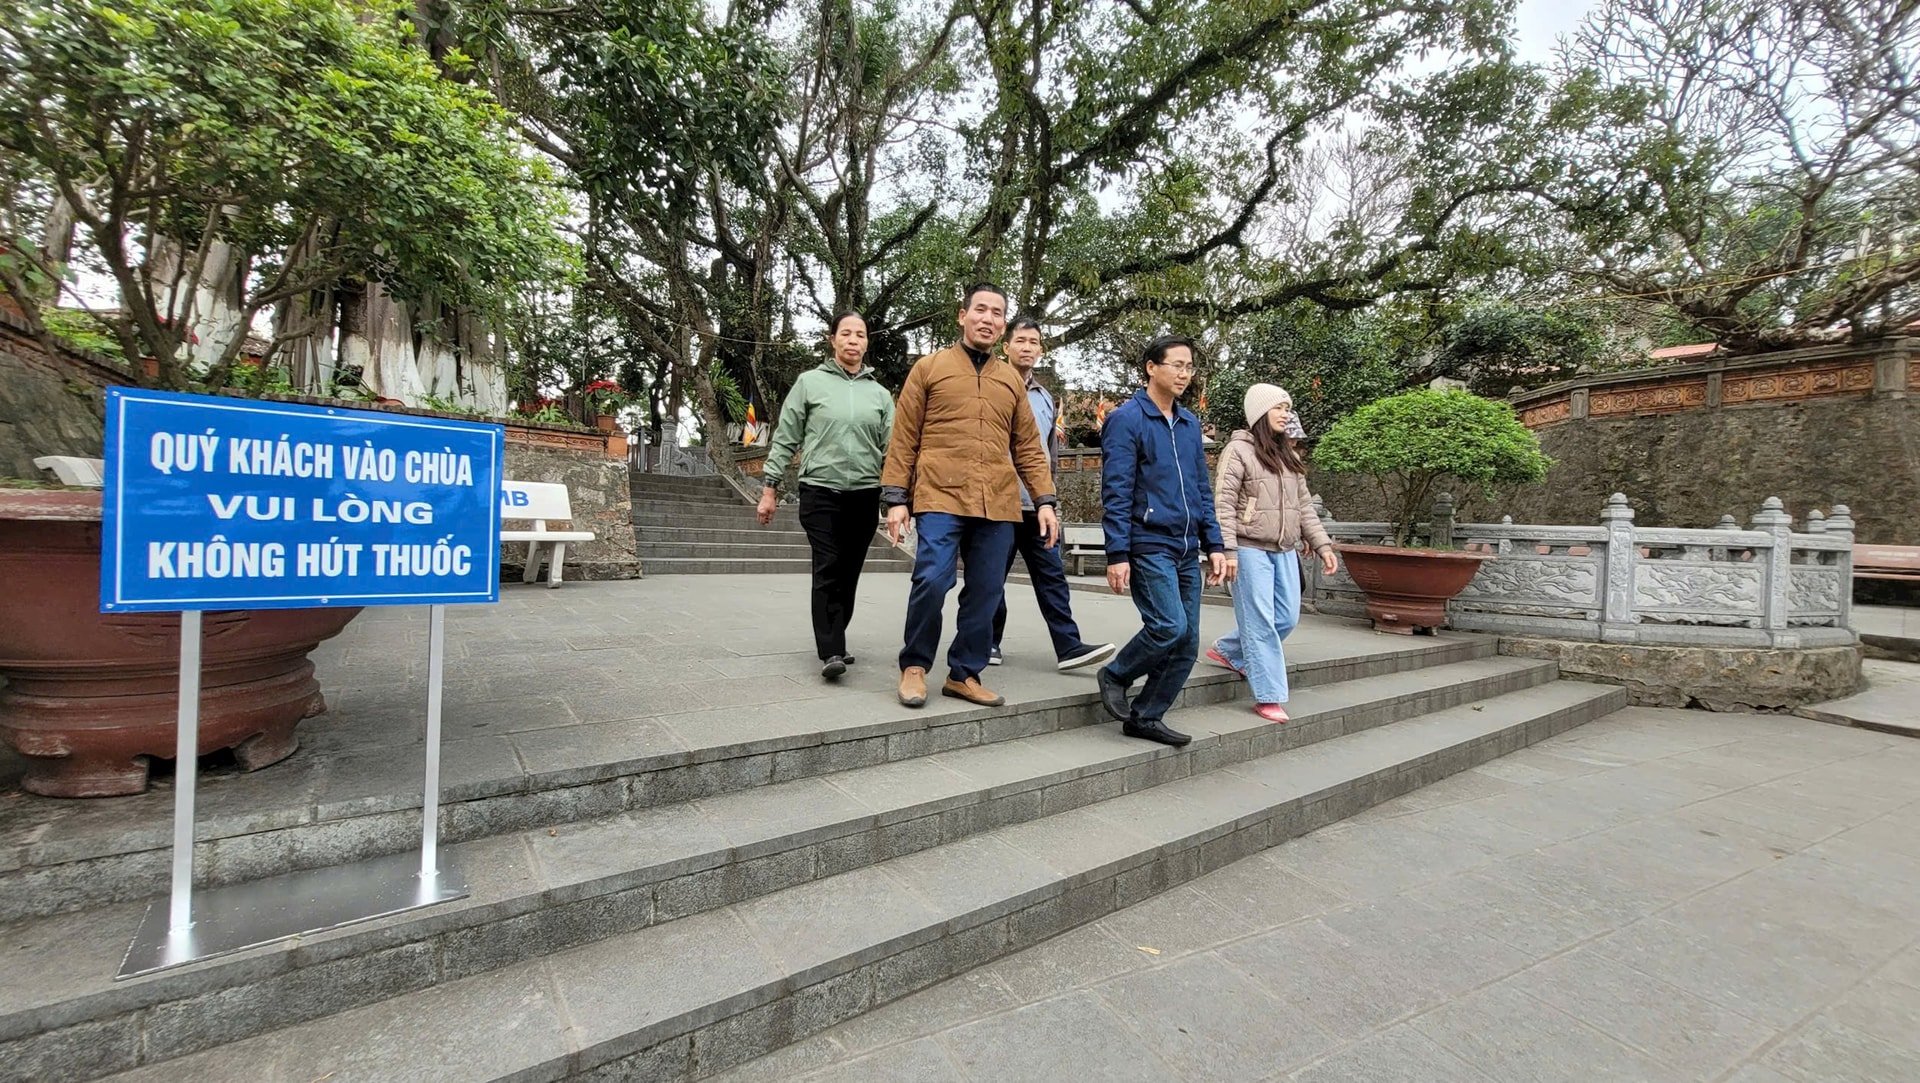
column 841, row 416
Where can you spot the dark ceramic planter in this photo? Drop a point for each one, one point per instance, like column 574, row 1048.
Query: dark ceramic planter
column 1408, row 589
column 91, row 697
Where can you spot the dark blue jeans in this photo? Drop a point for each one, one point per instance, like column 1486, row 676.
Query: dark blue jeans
column 1166, row 591
column 943, row 540
column 1049, row 575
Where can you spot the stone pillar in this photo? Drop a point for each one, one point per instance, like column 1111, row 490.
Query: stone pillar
column 1441, row 535
column 1890, row 370
column 1726, row 523
column 1840, row 524
column 1616, row 619
column 1775, row 600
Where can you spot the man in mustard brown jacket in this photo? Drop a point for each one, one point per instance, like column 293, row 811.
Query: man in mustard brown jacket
column 959, row 415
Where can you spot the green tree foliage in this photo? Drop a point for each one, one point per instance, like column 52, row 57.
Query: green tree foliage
column 1330, row 364
column 661, row 115
column 1496, row 348
column 1412, row 442
column 313, row 136
column 1117, row 177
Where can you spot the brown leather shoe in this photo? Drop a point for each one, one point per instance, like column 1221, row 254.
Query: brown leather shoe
column 913, row 687
column 972, row 691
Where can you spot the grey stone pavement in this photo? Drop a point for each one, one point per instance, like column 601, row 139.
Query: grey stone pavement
column 1658, row 895
column 1887, row 620
column 1891, row 700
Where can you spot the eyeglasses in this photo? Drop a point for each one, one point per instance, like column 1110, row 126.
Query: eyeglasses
column 1187, row 367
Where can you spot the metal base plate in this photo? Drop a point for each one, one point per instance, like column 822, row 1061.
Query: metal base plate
column 241, row 916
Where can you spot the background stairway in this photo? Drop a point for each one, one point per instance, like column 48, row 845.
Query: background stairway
column 701, row 526
column 782, row 882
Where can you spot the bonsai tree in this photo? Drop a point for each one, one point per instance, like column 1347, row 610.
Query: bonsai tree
column 1412, row 442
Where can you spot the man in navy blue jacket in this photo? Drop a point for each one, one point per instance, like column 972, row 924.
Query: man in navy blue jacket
column 1158, row 520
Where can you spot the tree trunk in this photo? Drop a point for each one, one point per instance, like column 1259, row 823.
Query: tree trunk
column 56, row 243
column 379, row 340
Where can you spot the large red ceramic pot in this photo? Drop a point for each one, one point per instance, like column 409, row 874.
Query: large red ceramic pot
column 1408, row 589
column 91, row 697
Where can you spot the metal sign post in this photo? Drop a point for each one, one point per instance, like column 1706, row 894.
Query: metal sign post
column 430, row 798
column 186, row 755
column 232, row 505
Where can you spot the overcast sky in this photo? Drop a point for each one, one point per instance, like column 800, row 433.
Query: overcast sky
column 1539, row 23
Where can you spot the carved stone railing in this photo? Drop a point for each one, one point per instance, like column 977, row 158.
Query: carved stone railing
column 669, row 460
column 1763, row 586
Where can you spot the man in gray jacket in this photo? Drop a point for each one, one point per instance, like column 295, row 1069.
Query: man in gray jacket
column 1044, row 565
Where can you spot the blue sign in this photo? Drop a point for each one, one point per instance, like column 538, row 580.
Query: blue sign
column 217, row 503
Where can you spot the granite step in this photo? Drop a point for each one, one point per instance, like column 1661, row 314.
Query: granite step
column 723, row 502
column 737, row 535
column 676, row 483
column 692, row 548
column 715, row 565
column 1888, row 633
column 651, row 754
column 539, row 891
column 645, row 519
column 688, row 997
column 699, row 507
column 694, row 545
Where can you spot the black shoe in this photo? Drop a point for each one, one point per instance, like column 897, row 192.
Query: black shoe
column 833, row 668
column 1086, row 654
column 1113, row 696
column 847, row 658
column 993, row 657
column 1154, row 731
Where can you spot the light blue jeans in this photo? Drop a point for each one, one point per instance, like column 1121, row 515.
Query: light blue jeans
column 1266, row 606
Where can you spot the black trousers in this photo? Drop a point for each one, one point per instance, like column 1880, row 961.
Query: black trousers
column 840, row 527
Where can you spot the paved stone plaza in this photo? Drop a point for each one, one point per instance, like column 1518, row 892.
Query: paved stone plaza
column 686, row 850
column 1657, row 895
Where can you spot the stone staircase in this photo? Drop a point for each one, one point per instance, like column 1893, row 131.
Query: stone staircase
column 668, row 915
column 701, row 526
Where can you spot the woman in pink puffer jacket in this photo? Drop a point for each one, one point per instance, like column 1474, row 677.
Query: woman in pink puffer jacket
column 1265, row 512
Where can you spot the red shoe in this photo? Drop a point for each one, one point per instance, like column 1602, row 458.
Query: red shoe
column 1218, row 659
column 1272, row 712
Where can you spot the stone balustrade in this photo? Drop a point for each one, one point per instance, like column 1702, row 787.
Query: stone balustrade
column 1764, row 586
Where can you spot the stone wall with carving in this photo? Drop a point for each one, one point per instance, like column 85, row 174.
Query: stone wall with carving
column 1691, row 443
column 602, row 502
column 49, row 405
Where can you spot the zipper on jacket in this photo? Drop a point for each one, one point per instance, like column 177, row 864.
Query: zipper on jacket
column 1180, row 472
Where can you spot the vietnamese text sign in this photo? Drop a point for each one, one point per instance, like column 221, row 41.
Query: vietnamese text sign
column 215, row 503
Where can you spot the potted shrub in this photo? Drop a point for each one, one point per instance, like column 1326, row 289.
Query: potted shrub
column 1411, row 444
column 605, row 400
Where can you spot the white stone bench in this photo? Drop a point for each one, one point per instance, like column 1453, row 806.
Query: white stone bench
column 74, row 470
column 540, row 501
column 1078, row 541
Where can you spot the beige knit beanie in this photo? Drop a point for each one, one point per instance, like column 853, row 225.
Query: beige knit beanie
column 1263, row 397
